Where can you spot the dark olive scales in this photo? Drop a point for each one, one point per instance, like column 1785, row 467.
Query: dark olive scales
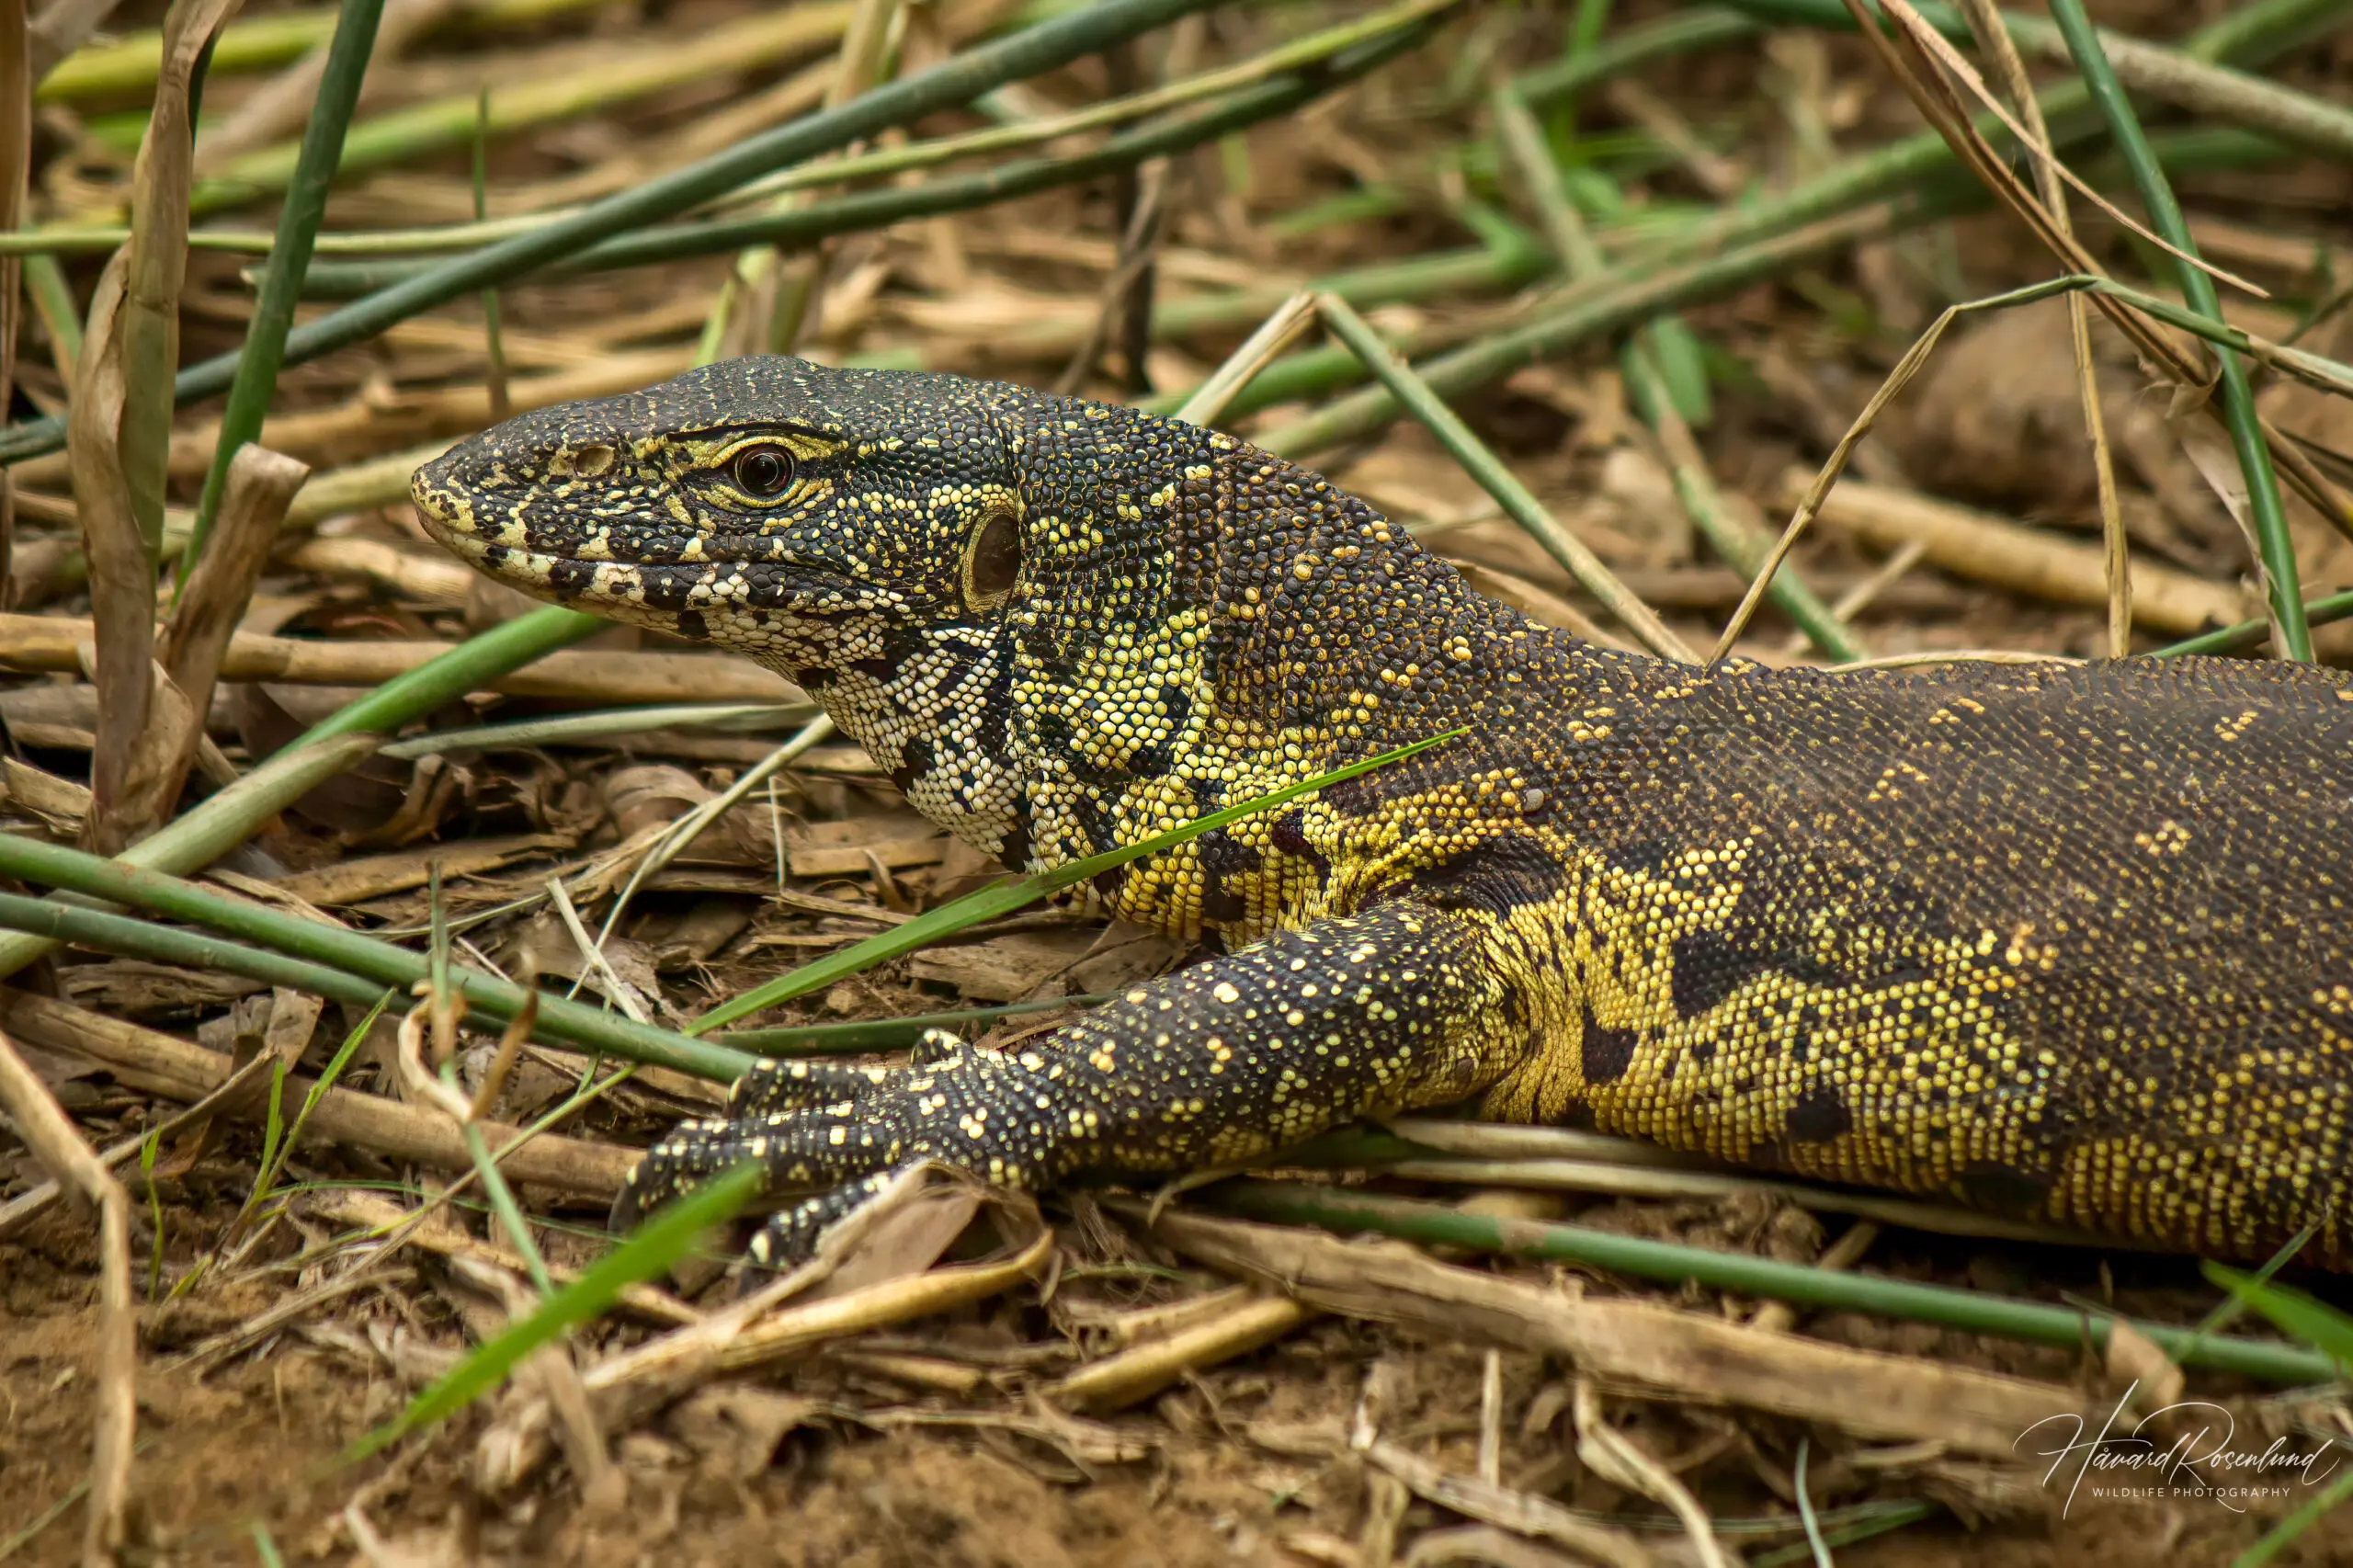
column 2067, row 942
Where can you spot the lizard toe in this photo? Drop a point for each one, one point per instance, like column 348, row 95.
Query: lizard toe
column 934, row 1048
column 791, row 1235
column 795, row 1084
column 686, row 1155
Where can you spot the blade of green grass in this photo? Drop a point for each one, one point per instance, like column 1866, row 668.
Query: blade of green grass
column 267, row 1177
column 509, row 1212
column 273, row 1127
column 443, row 1022
column 52, row 298
column 649, row 1250
column 1895, row 1515
column 442, row 1007
column 2224, row 1312
column 149, row 1148
column 1003, row 898
column 1681, row 361
column 2239, row 413
column 2280, row 1537
column 1045, row 47
column 2316, row 1323
column 1813, row 1539
column 2326, row 1330
column 256, row 380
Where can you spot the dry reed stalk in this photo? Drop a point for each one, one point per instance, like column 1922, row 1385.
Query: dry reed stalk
column 51, row 1136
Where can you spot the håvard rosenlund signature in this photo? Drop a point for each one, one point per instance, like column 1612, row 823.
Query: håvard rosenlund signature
column 2192, row 1463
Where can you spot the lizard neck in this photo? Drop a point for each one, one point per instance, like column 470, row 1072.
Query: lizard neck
column 1197, row 624
column 1203, row 624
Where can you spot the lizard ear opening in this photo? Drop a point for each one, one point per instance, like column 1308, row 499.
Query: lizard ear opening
column 991, row 560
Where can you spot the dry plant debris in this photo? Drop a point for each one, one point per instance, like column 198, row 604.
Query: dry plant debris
column 1657, row 259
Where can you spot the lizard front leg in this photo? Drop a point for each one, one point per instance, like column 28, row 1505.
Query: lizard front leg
column 1361, row 1015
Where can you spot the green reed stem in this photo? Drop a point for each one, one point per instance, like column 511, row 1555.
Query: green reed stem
column 2249, row 634
column 1495, row 477
column 1680, row 271
column 255, row 381
column 125, row 66
column 870, row 209
column 2240, row 415
column 1351, row 1212
column 331, row 948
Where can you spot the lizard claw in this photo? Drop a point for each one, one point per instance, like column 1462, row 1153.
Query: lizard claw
column 845, row 1134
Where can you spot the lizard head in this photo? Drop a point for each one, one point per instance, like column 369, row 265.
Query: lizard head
column 791, row 513
column 973, row 578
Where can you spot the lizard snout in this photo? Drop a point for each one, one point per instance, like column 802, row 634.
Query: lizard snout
column 549, row 482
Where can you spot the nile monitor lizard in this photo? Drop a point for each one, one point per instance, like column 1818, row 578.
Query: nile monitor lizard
column 2066, row 941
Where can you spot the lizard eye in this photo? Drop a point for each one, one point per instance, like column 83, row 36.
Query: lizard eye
column 992, row 561
column 763, row 471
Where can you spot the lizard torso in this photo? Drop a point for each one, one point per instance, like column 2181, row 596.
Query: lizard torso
column 2068, row 941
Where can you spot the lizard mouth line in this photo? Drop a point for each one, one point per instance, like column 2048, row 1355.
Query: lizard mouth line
column 787, row 584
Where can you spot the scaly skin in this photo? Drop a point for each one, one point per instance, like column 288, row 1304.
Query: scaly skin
column 2067, row 942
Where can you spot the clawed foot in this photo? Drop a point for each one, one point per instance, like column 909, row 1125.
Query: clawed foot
column 844, row 1134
